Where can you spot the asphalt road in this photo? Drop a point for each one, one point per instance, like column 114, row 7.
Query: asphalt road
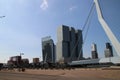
column 23, row 76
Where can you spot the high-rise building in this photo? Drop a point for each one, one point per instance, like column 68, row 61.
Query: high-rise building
column 79, row 42
column 69, row 43
column 48, row 50
column 63, row 46
column 94, row 51
column 108, row 51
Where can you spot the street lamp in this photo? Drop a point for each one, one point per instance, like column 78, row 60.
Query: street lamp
column 20, row 61
column 21, row 54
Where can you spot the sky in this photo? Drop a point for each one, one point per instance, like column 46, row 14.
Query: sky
column 27, row 21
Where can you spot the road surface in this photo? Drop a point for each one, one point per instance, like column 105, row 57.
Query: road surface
column 24, row 76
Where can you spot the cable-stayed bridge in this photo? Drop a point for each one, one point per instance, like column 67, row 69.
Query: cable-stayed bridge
column 111, row 34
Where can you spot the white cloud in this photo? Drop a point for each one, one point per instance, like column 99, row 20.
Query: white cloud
column 44, row 5
column 72, row 8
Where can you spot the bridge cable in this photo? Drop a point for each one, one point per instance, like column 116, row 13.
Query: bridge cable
column 87, row 20
column 87, row 24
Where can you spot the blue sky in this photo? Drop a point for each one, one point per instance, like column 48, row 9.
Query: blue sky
column 27, row 21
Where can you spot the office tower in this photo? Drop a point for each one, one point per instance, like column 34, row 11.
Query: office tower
column 72, row 48
column 69, row 43
column 79, row 42
column 94, row 51
column 63, row 39
column 108, row 51
column 48, row 50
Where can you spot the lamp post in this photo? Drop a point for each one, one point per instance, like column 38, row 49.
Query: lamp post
column 21, row 57
column 21, row 54
column 20, row 65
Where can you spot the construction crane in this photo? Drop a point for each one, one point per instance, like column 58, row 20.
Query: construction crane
column 106, row 28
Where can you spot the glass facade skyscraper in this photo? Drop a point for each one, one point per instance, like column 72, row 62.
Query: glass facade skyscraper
column 69, row 44
column 48, row 50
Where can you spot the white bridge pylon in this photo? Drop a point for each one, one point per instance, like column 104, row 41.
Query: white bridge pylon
column 106, row 28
